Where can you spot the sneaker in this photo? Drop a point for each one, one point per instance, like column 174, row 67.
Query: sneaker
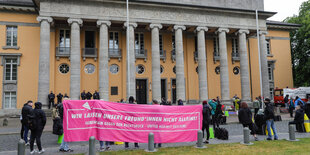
column 275, row 138
column 41, row 151
column 255, row 138
column 33, row 151
column 269, row 139
column 107, row 148
column 207, row 142
column 101, row 149
column 27, row 144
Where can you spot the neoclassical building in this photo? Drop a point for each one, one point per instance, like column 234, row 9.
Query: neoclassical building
column 189, row 50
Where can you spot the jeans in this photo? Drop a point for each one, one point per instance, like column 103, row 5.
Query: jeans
column 26, row 129
column 64, row 145
column 270, row 123
column 102, row 144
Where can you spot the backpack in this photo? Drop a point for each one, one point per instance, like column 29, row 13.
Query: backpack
column 32, row 122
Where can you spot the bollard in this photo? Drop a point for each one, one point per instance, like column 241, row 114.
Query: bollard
column 291, row 132
column 21, row 147
column 246, row 136
column 92, row 150
column 200, row 140
column 150, row 147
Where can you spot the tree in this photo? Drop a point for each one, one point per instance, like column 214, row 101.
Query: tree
column 300, row 41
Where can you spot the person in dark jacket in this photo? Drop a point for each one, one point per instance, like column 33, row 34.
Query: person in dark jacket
column 66, row 96
column 291, row 106
column 286, row 99
column 96, row 95
column 299, row 116
column 88, row 96
column 163, row 101
column 26, row 111
column 131, row 100
column 51, row 100
column 37, row 131
column 269, row 117
column 213, row 105
column 59, row 98
column 64, row 146
column 245, row 118
column 206, row 113
column 307, row 108
column 83, row 95
column 180, row 102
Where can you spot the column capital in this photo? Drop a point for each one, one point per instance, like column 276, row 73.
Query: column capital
column 134, row 25
column 159, row 26
column 42, row 18
column 202, row 28
column 176, row 27
column 226, row 30
column 263, row 32
column 101, row 22
column 243, row 31
column 75, row 20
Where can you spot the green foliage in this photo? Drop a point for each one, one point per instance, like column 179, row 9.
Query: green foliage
column 300, row 41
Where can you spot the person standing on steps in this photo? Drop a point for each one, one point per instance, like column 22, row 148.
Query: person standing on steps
column 51, row 100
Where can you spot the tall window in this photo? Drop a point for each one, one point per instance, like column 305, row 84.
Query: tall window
column 10, row 69
column 235, row 45
column 161, row 50
column 139, row 41
column 270, row 71
column 64, row 38
column 173, row 42
column 11, row 36
column 268, row 46
column 9, row 100
column 196, row 44
column 216, row 45
column 113, row 40
column 271, row 92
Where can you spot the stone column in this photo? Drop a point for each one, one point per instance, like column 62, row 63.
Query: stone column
column 75, row 59
column 202, row 64
column 264, row 64
column 244, row 67
column 180, row 78
column 131, row 70
column 104, row 59
column 44, row 60
column 156, row 84
column 224, row 66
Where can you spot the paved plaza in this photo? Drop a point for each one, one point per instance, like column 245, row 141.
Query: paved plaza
column 9, row 137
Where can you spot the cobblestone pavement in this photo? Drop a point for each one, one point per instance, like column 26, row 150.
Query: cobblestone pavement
column 8, row 142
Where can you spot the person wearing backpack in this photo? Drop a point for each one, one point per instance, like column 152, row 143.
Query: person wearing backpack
column 213, row 105
column 26, row 111
column 37, row 124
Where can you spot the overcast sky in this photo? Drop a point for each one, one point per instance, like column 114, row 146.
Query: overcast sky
column 285, row 8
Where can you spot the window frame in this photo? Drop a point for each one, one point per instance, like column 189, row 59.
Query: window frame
column 14, row 29
column 235, row 46
column 216, row 45
column 270, row 72
column 139, row 43
column 11, row 64
column 65, row 38
column 114, row 40
column 268, row 47
column 10, row 100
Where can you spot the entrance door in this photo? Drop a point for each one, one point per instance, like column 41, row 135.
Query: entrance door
column 163, row 88
column 141, row 91
column 174, row 90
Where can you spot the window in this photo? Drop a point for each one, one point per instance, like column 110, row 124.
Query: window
column 9, row 100
column 217, row 70
column 174, row 70
column 114, row 69
column 10, row 69
column 113, row 40
column 173, row 42
column 114, row 90
column 139, row 41
column 271, row 93
column 235, row 45
column 268, row 46
column 140, row 69
column 64, row 68
column 161, row 43
column 89, row 68
column 161, row 69
column 11, row 36
column 196, row 44
column 270, row 71
column 236, row 70
column 64, row 38
column 216, row 45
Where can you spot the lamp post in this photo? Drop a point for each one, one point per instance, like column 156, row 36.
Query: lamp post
column 127, row 47
column 260, row 65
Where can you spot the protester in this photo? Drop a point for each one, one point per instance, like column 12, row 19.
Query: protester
column 102, row 146
column 269, row 117
column 237, row 103
column 291, row 106
column 219, row 113
column 66, row 96
column 131, row 100
column 51, row 99
column 64, row 146
column 206, row 120
column 256, row 106
column 180, row 102
column 163, row 101
column 169, row 102
column 88, row 96
column 37, row 130
column 22, row 130
column 245, row 118
column 300, row 102
column 26, row 111
column 59, row 98
column 299, row 116
column 213, row 105
column 96, row 95
column 83, row 95
column 286, row 101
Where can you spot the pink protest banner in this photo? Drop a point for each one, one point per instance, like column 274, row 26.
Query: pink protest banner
column 108, row 121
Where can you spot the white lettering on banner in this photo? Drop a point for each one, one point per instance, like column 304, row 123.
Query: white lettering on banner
column 76, row 115
column 183, row 119
column 109, row 116
column 134, row 119
column 93, row 115
column 154, row 119
column 170, row 119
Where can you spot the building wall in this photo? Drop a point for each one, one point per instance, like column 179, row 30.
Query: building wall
column 29, row 42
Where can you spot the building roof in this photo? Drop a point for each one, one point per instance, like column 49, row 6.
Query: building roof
column 281, row 25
